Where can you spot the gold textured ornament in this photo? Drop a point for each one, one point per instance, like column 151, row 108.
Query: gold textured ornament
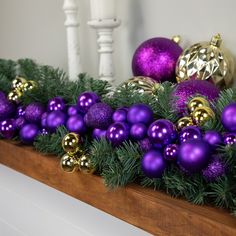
column 203, row 114
column 14, row 95
column 207, row 60
column 85, row 165
column 69, row 163
column 197, row 102
column 184, row 122
column 18, row 83
column 71, row 143
column 29, row 85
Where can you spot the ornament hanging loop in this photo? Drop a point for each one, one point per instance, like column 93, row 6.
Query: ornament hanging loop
column 176, row 39
column 216, row 40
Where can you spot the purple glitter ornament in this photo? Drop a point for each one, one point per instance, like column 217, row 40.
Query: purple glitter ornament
column 194, row 155
column 153, row 164
column 44, row 120
column 55, row 119
column 229, row 139
column 189, row 88
column 28, row 133
column 171, row 152
column 138, row 131
column 145, row 144
column 189, row 133
column 34, row 112
column 120, row 115
column 99, row 116
column 228, row 117
column 86, row 100
column 7, row 109
column 117, row 133
column 72, row 110
column 99, row 133
column 214, row 138
column 20, row 111
column 7, row 128
column 76, row 124
column 20, row 122
column 140, row 113
column 156, row 58
column 56, row 104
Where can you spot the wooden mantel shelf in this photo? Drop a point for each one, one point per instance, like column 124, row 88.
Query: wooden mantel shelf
column 152, row 211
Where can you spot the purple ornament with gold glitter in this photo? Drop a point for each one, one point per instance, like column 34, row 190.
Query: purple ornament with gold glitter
column 34, row 112
column 228, row 117
column 156, row 58
column 189, row 133
column 7, row 128
column 76, row 124
column 138, row 131
column 72, row 110
column 145, row 144
column 120, row 115
column 20, row 111
column 20, row 122
column 86, row 100
column 99, row 133
column 214, row 138
column 28, row 133
column 56, row 104
column 171, row 152
column 229, row 139
column 7, row 109
column 55, row 119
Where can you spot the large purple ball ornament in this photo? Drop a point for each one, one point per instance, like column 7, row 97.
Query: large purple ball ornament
column 228, row 117
column 138, row 131
column 76, row 124
column 86, row 100
column 229, row 139
column 188, row 89
column 189, row 133
column 72, row 110
column 153, row 164
column 117, row 133
column 20, row 122
column 34, row 112
column 20, row 111
column 120, row 115
column 7, row 128
column 28, row 133
column 99, row 133
column 140, row 113
column 7, row 109
column 194, row 155
column 56, row 104
column 171, row 152
column 214, row 138
column 145, row 144
column 55, row 119
column 156, row 58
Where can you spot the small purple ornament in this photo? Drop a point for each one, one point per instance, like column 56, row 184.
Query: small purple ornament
column 20, row 111
column 156, row 58
column 72, row 110
column 86, row 100
column 153, row 164
column 28, row 133
column 228, row 117
column 117, row 133
column 145, row 144
column 7, row 109
column 120, row 115
column 171, row 152
column 55, row 119
column 34, row 112
column 189, row 133
column 99, row 133
column 44, row 120
column 7, row 128
column 140, row 113
column 76, row 124
column 20, row 122
column 56, row 104
column 194, row 155
column 229, row 139
column 214, row 138
column 138, row 131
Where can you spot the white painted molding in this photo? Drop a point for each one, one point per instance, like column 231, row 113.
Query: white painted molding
column 72, row 27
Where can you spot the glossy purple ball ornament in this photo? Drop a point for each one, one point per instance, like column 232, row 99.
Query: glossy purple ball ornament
column 120, row 115
column 194, row 155
column 7, row 109
column 20, row 111
column 229, row 139
column 117, row 133
column 28, row 133
column 55, row 119
column 228, row 117
column 138, row 131
column 156, row 58
column 76, row 124
column 34, row 112
column 20, row 122
column 99, row 133
column 189, row 133
column 86, row 100
column 7, row 128
column 145, row 144
column 171, row 152
column 140, row 113
column 56, row 104
column 153, row 164
column 214, row 138
column 72, row 110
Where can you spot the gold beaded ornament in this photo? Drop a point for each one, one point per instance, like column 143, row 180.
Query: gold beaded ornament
column 184, row 122
column 202, row 115
column 196, row 102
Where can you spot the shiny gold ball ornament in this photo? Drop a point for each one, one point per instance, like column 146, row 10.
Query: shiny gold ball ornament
column 29, row 85
column 18, row 83
column 197, row 102
column 85, row 165
column 14, row 95
column 207, row 61
column 184, row 122
column 69, row 163
column 71, row 143
column 202, row 115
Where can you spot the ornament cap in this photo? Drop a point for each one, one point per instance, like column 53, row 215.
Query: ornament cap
column 176, row 39
column 216, row 40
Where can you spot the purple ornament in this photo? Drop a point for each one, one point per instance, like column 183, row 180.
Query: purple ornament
column 99, row 116
column 189, row 133
column 213, row 138
column 194, row 155
column 7, row 109
column 28, row 133
column 55, row 119
column 153, row 164
column 140, row 113
column 117, row 133
column 44, row 132
column 44, row 120
column 76, row 124
column 120, row 115
column 86, row 100
column 20, row 122
column 99, row 133
column 189, row 88
column 56, row 104
column 145, row 144
column 7, row 128
column 72, row 110
column 33, row 112
column 229, row 139
column 2, row 96
column 171, row 152
column 228, row 117
column 156, row 58
column 138, row 131
column 20, row 111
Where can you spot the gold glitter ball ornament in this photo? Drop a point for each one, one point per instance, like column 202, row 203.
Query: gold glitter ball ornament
column 206, row 60
column 18, row 83
column 14, row 95
column 196, row 102
column 85, row 165
column 71, row 143
column 202, row 115
column 69, row 163
column 29, row 85
column 184, row 122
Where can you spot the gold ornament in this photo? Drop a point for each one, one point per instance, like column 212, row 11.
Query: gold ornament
column 29, row 85
column 71, row 143
column 69, row 163
column 203, row 114
column 197, row 102
column 184, row 122
column 15, row 95
column 176, row 39
column 207, row 60
column 85, row 165
column 18, row 83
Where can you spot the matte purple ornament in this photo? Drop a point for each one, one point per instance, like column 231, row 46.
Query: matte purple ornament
column 138, row 131
column 86, row 100
column 194, row 155
column 72, row 110
column 7, row 128
column 55, row 119
column 56, row 104
column 99, row 133
column 120, row 115
column 44, row 120
column 7, row 109
column 189, row 88
column 34, row 112
column 140, row 113
column 20, row 122
column 117, row 133
column 189, row 133
column 153, row 164
column 228, row 117
column 76, row 124
column 156, row 58
column 229, row 139
column 214, row 138
column 171, row 152
column 20, row 111
column 145, row 144
column 28, row 133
